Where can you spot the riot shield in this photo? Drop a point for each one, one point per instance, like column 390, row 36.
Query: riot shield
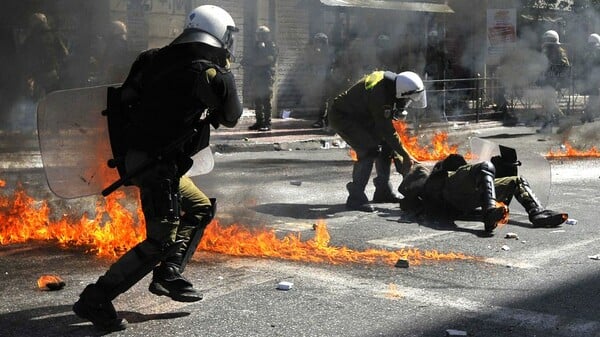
column 533, row 166
column 75, row 146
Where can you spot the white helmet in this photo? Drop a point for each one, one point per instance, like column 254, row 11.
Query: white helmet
column 118, row 28
column 211, row 25
column 550, row 37
column 594, row 39
column 409, row 85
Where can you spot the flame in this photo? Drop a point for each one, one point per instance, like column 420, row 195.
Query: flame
column 23, row 219
column 437, row 150
column 238, row 241
column 569, row 151
column 505, row 215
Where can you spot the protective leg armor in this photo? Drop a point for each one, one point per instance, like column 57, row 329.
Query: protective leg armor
column 94, row 303
column 538, row 216
column 167, row 279
column 484, row 179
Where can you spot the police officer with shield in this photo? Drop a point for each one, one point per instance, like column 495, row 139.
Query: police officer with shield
column 168, row 101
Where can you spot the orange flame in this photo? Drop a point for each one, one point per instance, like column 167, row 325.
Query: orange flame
column 22, row 221
column 437, row 150
column 238, row 241
column 569, row 151
column 505, row 215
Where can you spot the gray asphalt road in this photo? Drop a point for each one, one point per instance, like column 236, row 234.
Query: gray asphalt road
column 543, row 284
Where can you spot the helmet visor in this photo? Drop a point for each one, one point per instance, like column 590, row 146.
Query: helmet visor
column 418, row 99
column 229, row 41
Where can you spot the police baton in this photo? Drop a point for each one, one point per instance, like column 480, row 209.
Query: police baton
column 148, row 162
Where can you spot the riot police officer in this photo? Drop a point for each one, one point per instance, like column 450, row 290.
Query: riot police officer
column 261, row 71
column 319, row 60
column 171, row 97
column 454, row 188
column 44, row 54
column 554, row 78
column 590, row 72
column 363, row 116
column 115, row 58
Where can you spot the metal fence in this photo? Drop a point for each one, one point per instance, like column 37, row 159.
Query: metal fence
column 477, row 98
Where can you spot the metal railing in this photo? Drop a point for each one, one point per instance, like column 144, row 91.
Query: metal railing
column 476, row 98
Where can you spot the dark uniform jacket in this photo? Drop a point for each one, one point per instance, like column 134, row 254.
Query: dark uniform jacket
column 262, row 67
column 172, row 87
column 364, row 107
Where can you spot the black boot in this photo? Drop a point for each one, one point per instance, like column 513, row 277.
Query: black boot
column 384, row 191
column 254, row 127
column 168, row 281
column 357, row 199
column 94, row 306
column 493, row 212
column 538, row 216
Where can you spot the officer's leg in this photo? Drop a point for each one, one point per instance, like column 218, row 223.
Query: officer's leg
column 361, row 172
column 493, row 213
column 158, row 192
column 267, row 109
column 258, row 112
column 538, row 216
column 198, row 211
column 384, row 191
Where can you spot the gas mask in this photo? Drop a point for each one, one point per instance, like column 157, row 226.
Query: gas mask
column 398, row 110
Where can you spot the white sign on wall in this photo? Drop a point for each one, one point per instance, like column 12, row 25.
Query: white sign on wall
column 501, row 33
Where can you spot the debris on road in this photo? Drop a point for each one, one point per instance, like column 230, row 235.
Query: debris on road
column 296, row 182
column 594, row 257
column 284, row 285
column 452, row 333
column 571, row 222
column 511, row 235
column 50, row 282
column 401, row 263
column 505, row 247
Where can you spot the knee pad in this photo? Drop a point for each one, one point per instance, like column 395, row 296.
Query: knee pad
column 487, row 168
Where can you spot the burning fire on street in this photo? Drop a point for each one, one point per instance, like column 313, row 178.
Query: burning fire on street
column 23, row 219
column 437, row 150
column 568, row 151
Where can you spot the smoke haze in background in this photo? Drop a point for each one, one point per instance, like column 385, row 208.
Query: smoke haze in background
column 83, row 28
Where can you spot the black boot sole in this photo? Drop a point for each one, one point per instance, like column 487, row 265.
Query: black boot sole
column 157, row 289
column 116, row 324
column 551, row 221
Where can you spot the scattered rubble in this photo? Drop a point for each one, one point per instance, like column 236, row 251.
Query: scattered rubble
column 511, row 235
column 401, row 263
column 452, row 333
column 284, row 285
column 571, row 222
column 505, row 247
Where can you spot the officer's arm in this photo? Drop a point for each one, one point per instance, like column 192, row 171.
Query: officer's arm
column 385, row 128
column 222, row 98
column 133, row 83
